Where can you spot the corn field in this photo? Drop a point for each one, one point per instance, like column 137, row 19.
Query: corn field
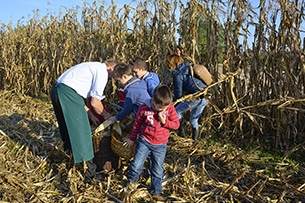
column 258, row 93
column 257, row 98
column 255, row 54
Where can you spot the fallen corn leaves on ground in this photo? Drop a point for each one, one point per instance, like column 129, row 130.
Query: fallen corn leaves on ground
column 34, row 169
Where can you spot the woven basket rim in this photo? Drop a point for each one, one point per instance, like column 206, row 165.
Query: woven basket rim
column 118, row 148
column 115, row 138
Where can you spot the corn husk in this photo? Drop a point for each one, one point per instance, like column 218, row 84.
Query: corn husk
column 117, row 128
column 102, row 126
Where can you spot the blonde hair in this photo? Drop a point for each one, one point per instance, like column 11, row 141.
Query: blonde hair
column 173, row 61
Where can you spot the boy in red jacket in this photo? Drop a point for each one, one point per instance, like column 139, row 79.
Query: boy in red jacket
column 153, row 123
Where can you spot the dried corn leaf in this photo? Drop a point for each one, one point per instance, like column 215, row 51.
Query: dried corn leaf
column 117, row 128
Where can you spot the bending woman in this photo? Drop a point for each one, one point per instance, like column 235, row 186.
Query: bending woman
column 183, row 84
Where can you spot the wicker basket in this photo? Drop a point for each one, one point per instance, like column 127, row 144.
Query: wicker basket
column 96, row 139
column 117, row 147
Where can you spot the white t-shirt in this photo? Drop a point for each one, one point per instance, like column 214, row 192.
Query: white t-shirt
column 88, row 79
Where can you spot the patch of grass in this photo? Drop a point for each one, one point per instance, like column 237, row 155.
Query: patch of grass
column 43, row 98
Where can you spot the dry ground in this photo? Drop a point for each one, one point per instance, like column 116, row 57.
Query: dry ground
column 34, row 169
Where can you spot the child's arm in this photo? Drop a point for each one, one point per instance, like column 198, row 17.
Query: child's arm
column 127, row 109
column 140, row 118
column 152, row 83
column 172, row 121
column 162, row 117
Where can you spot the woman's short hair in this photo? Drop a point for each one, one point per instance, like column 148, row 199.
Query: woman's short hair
column 173, row 61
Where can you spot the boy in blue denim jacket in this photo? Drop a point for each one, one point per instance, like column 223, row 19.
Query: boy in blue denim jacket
column 135, row 91
column 140, row 69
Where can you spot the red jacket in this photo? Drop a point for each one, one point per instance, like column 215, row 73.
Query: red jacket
column 148, row 126
column 121, row 94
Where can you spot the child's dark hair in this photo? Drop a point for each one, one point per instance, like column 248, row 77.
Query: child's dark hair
column 162, row 95
column 120, row 69
column 138, row 62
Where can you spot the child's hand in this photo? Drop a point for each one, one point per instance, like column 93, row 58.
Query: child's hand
column 162, row 116
column 128, row 143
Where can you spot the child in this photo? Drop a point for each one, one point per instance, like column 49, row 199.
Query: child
column 135, row 91
column 152, row 80
column 153, row 122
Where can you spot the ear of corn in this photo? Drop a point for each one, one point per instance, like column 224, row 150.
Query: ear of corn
column 103, row 126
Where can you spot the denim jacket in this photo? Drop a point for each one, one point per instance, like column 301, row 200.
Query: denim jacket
column 183, row 82
column 135, row 94
column 152, row 81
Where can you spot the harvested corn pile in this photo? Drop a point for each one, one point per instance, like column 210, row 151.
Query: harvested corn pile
column 33, row 168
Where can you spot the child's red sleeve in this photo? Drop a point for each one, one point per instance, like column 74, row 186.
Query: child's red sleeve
column 172, row 121
column 138, row 123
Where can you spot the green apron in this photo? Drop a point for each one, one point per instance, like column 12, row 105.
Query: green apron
column 77, row 123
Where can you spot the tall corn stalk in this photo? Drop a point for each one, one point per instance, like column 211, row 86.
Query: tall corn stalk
column 259, row 86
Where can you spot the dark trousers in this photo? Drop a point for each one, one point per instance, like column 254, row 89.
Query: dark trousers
column 60, row 119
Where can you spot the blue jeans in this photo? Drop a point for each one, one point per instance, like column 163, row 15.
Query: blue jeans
column 157, row 156
column 197, row 107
